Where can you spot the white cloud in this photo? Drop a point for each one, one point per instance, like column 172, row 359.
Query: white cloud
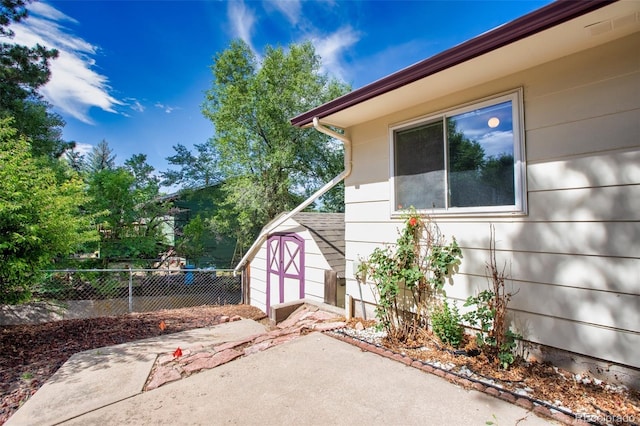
column 331, row 48
column 75, row 87
column 83, row 148
column 135, row 105
column 168, row 109
column 291, row 9
column 242, row 21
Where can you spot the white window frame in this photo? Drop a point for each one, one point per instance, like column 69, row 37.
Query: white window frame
column 519, row 155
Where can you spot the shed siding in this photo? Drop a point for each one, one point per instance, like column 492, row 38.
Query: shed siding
column 575, row 258
column 315, row 265
column 259, row 279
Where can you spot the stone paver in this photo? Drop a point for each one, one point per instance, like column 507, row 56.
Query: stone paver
column 164, row 375
column 211, row 360
column 195, row 359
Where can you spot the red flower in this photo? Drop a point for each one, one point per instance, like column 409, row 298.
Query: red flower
column 413, row 221
column 177, row 353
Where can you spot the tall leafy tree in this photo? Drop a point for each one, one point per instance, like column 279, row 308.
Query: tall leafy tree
column 268, row 166
column 191, row 243
column 40, row 217
column 195, row 170
column 146, row 185
column 131, row 216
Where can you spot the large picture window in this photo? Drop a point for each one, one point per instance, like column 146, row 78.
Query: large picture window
column 466, row 160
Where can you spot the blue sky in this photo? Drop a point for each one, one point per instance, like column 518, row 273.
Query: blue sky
column 134, row 73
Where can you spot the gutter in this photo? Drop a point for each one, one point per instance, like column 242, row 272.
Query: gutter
column 322, row 128
column 549, row 16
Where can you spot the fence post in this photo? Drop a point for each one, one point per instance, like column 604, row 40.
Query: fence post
column 130, row 290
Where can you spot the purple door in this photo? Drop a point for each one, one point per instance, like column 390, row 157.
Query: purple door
column 285, row 269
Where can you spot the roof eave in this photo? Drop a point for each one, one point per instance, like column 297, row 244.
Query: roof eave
column 539, row 20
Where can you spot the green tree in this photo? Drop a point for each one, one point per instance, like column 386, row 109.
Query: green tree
column 268, row 166
column 195, row 170
column 23, row 70
column 146, row 186
column 101, row 158
column 75, row 160
column 42, row 127
column 40, row 217
column 131, row 216
column 191, row 245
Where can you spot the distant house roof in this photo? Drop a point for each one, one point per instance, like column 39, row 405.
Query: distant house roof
column 525, row 27
column 327, row 230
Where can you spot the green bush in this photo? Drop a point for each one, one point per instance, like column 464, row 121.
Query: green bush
column 446, row 324
column 40, row 216
column 411, row 272
column 496, row 341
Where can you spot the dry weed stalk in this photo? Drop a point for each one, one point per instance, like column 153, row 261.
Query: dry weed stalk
column 498, row 303
column 499, row 333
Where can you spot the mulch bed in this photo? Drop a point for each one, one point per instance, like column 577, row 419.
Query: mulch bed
column 541, row 384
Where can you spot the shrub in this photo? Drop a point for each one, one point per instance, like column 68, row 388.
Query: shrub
column 421, row 263
column 494, row 337
column 446, row 324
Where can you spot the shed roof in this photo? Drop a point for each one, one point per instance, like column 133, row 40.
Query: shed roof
column 327, row 230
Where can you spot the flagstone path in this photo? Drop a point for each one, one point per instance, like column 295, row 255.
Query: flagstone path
column 184, row 362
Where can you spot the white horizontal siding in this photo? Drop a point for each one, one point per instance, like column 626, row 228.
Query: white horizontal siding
column 613, row 95
column 581, row 137
column 610, row 203
column 589, row 272
column 599, row 342
column 368, row 192
column 598, row 308
column 594, row 170
column 575, row 257
column 584, row 204
column 258, row 280
column 610, row 239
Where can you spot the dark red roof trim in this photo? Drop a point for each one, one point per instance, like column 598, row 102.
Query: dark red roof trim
column 539, row 20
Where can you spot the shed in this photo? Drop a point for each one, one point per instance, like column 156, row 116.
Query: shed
column 300, row 258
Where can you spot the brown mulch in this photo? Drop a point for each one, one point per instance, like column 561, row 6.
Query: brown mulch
column 31, row 353
column 544, row 382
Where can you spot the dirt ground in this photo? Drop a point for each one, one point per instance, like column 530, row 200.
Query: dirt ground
column 31, row 353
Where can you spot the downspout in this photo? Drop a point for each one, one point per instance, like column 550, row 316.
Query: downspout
column 336, row 180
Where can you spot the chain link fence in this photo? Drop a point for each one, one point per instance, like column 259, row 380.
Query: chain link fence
column 85, row 293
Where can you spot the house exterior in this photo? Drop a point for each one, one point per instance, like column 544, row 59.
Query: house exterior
column 534, row 128
column 300, row 257
column 218, row 252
